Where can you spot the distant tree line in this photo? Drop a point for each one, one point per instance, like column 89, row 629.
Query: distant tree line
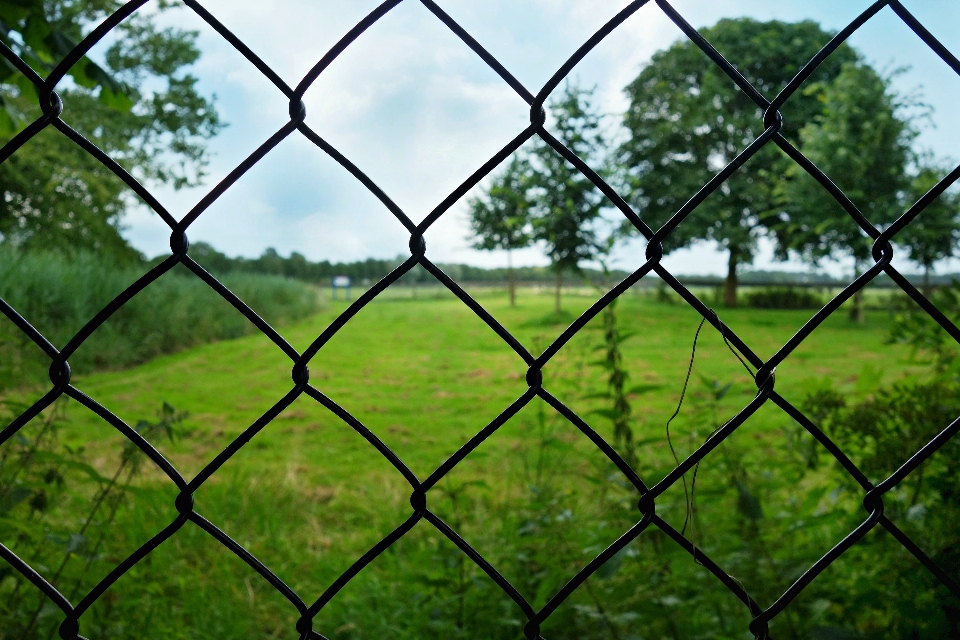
column 369, row 271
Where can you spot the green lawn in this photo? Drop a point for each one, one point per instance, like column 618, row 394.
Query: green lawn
column 308, row 495
column 426, row 375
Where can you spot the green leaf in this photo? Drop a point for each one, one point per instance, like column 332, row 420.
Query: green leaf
column 644, row 388
column 75, row 542
column 720, row 393
column 36, row 36
column 14, row 12
column 606, row 413
column 8, row 123
column 868, row 379
column 609, row 568
column 81, row 74
column 115, row 100
column 7, row 70
column 748, row 504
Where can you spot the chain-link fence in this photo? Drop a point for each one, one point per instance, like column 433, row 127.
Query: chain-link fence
column 647, row 517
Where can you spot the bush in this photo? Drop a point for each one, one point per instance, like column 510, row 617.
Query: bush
column 914, row 326
column 177, row 311
column 60, row 512
column 879, row 434
column 783, row 298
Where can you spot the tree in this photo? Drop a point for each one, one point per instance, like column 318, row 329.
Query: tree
column 687, row 119
column 565, row 204
column 136, row 104
column 501, row 218
column 935, row 233
column 862, row 145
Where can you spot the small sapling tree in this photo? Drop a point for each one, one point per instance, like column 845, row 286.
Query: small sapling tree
column 500, row 219
column 566, row 205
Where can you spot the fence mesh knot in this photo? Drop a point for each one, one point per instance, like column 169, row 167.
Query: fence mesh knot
column 51, row 106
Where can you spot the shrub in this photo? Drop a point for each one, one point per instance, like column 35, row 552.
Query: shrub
column 59, row 512
column 783, row 298
column 880, row 433
column 177, row 311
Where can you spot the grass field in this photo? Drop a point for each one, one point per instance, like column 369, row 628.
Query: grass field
column 308, row 495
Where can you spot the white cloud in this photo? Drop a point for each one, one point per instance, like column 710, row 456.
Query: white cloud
column 414, row 108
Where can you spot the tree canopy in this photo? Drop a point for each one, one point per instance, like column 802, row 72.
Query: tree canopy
column 864, row 148
column 541, row 197
column 500, row 218
column 687, row 120
column 863, row 141
column 136, row 102
column 935, row 233
column 566, row 204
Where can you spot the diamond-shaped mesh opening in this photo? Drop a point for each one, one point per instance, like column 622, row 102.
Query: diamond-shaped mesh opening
column 305, row 220
column 423, row 585
column 235, row 600
column 319, row 494
column 525, row 500
column 403, row 389
column 537, row 351
column 442, row 81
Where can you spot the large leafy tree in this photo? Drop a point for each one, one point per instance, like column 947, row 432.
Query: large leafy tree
column 687, row 119
column 862, row 145
column 566, row 206
column 136, row 102
column 500, row 219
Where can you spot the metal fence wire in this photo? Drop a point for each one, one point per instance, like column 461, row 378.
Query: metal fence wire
column 647, row 517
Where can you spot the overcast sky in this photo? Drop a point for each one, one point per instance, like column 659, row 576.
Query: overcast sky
column 419, row 112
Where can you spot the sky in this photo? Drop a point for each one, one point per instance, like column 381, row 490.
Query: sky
column 419, row 112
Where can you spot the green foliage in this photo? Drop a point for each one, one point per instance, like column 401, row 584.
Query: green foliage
column 863, row 145
column 783, row 298
column 879, row 434
column 60, row 511
column 620, row 410
column 565, row 204
column 934, row 234
column 541, row 197
column 501, row 219
column 914, row 326
column 59, row 295
column 687, row 119
column 137, row 104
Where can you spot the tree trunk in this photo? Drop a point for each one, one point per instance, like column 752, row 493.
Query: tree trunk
column 927, row 289
column 511, row 285
column 857, row 313
column 730, row 284
column 557, row 296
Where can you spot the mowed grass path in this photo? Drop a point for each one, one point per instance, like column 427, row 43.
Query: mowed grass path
column 308, row 495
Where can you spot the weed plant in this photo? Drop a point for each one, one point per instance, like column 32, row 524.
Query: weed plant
column 59, row 511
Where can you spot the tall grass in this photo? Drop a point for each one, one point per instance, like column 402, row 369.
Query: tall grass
column 178, row 311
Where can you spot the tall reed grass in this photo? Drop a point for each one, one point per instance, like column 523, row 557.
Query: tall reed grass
column 59, row 295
